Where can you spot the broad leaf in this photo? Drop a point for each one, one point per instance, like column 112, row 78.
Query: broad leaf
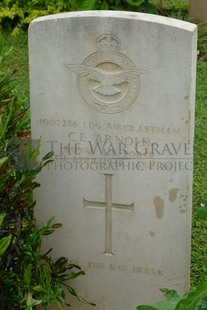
column 172, row 299
column 135, row 2
column 4, row 243
column 73, row 292
column 2, row 216
column 146, row 308
column 31, row 302
column 28, row 274
column 38, row 288
column 150, row 8
column 87, row 5
column 190, row 300
column 48, row 156
column 71, row 275
column 104, row 5
column 3, row 160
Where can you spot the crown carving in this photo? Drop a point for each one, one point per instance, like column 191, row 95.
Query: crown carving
column 108, row 41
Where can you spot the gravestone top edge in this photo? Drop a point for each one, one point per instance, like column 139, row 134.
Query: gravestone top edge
column 168, row 21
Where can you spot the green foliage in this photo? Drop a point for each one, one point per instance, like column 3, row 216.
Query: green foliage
column 202, row 41
column 195, row 299
column 202, row 212
column 17, row 14
column 170, row 302
column 172, row 8
column 17, row 46
column 27, row 277
column 127, row 5
column 199, row 232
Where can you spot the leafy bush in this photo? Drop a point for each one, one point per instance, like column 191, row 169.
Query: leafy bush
column 27, row 277
column 172, row 8
column 127, row 5
column 17, row 14
column 196, row 299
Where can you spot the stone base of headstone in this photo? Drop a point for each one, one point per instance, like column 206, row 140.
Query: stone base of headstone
column 198, row 9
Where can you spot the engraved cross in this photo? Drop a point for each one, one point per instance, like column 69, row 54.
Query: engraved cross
column 108, row 206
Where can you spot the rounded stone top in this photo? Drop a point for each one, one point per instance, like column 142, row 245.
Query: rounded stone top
column 120, row 15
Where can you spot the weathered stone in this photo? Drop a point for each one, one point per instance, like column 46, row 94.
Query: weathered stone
column 112, row 94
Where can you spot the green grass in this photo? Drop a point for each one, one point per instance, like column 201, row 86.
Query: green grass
column 199, row 230
column 171, row 4
column 19, row 60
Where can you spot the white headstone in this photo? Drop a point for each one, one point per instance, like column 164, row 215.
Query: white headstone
column 112, row 94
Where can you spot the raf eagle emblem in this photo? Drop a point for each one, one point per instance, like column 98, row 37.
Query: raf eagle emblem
column 108, row 81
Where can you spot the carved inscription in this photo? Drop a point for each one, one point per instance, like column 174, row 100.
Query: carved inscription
column 90, row 125
column 108, row 206
column 106, row 146
column 119, row 268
